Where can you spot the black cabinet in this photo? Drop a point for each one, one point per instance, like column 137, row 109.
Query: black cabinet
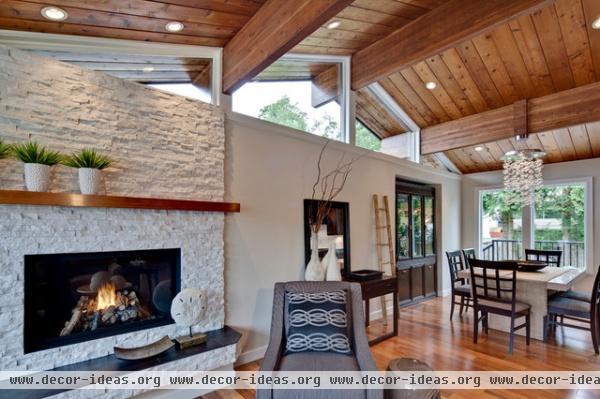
column 404, row 296
column 415, row 242
column 430, row 280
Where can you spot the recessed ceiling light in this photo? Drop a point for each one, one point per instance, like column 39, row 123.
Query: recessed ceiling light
column 333, row 25
column 596, row 23
column 479, row 148
column 174, row 26
column 431, row 85
column 54, row 13
column 148, row 69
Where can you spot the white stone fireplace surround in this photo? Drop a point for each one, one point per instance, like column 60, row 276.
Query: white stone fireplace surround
column 163, row 146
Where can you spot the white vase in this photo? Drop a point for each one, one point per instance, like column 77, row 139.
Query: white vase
column 89, row 180
column 37, row 177
column 314, row 271
column 331, row 265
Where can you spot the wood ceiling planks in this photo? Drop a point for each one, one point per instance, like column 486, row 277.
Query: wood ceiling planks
column 371, row 113
column 209, row 23
column 551, row 50
column 532, row 56
column 560, row 145
column 364, row 22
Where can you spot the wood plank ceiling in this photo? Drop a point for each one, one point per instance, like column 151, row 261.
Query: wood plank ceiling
column 207, row 22
column 551, row 50
column 362, row 23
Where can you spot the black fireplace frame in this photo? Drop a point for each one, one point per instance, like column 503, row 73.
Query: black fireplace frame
column 31, row 345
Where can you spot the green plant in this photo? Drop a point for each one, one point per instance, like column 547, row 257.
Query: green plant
column 5, row 149
column 32, row 152
column 88, row 158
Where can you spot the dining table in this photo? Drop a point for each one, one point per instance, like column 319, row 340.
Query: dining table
column 533, row 288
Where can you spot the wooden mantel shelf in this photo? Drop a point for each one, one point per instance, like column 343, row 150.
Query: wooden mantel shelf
column 12, row 197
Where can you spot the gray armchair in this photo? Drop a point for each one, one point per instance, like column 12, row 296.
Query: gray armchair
column 361, row 360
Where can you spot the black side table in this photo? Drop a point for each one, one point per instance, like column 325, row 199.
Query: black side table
column 374, row 289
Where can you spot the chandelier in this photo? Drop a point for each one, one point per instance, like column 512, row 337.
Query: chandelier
column 523, row 175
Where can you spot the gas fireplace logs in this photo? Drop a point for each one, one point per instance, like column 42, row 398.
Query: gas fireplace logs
column 108, row 307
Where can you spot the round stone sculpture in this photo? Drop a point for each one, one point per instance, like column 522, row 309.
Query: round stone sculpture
column 188, row 307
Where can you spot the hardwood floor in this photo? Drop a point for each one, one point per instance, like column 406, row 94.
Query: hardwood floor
column 427, row 334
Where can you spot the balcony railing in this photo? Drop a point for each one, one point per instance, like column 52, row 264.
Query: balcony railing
column 573, row 251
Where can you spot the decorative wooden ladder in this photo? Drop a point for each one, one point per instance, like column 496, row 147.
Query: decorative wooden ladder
column 380, row 226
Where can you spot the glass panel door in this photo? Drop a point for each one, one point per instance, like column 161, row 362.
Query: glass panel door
column 417, row 226
column 402, row 224
column 429, row 226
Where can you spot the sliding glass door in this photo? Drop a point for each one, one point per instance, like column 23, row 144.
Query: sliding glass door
column 557, row 221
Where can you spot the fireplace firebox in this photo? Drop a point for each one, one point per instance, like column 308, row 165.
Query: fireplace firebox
column 76, row 297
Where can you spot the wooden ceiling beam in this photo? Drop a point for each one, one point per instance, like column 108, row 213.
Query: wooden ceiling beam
column 436, row 31
column 564, row 109
column 275, row 29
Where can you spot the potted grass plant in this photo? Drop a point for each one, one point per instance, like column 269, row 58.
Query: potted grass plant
column 89, row 164
column 5, row 149
column 37, row 160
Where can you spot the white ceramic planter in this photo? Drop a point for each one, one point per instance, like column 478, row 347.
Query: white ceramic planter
column 89, row 180
column 37, row 177
column 331, row 266
column 314, row 271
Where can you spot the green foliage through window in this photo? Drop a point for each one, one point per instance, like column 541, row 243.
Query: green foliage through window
column 286, row 113
column 366, row 139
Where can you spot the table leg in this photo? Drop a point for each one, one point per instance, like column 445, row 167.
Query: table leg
column 367, row 312
column 395, row 312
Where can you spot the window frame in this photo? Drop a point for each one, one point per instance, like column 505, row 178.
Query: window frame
column 87, row 44
column 347, row 129
column 528, row 217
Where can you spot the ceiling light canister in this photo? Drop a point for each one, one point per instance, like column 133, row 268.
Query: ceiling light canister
column 54, row 13
column 174, row 26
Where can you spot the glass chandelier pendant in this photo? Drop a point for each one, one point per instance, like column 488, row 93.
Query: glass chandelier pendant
column 523, row 175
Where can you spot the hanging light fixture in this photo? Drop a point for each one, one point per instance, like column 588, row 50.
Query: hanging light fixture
column 522, row 166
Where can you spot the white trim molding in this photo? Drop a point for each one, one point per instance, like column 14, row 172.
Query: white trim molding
column 86, row 44
column 412, row 129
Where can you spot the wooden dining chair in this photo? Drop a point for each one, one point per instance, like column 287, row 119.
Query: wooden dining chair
column 459, row 286
column 578, row 308
column 552, row 258
column 495, row 291
column 469, row 253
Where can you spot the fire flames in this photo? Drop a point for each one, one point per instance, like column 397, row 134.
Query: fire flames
column 107, row 296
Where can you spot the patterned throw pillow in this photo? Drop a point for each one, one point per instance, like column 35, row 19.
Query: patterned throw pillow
column 317, row 322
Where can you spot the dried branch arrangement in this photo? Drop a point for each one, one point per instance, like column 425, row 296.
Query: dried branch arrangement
column 327, row 186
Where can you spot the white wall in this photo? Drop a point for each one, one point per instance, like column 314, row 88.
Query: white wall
column 560, row 171
column 270, row 169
